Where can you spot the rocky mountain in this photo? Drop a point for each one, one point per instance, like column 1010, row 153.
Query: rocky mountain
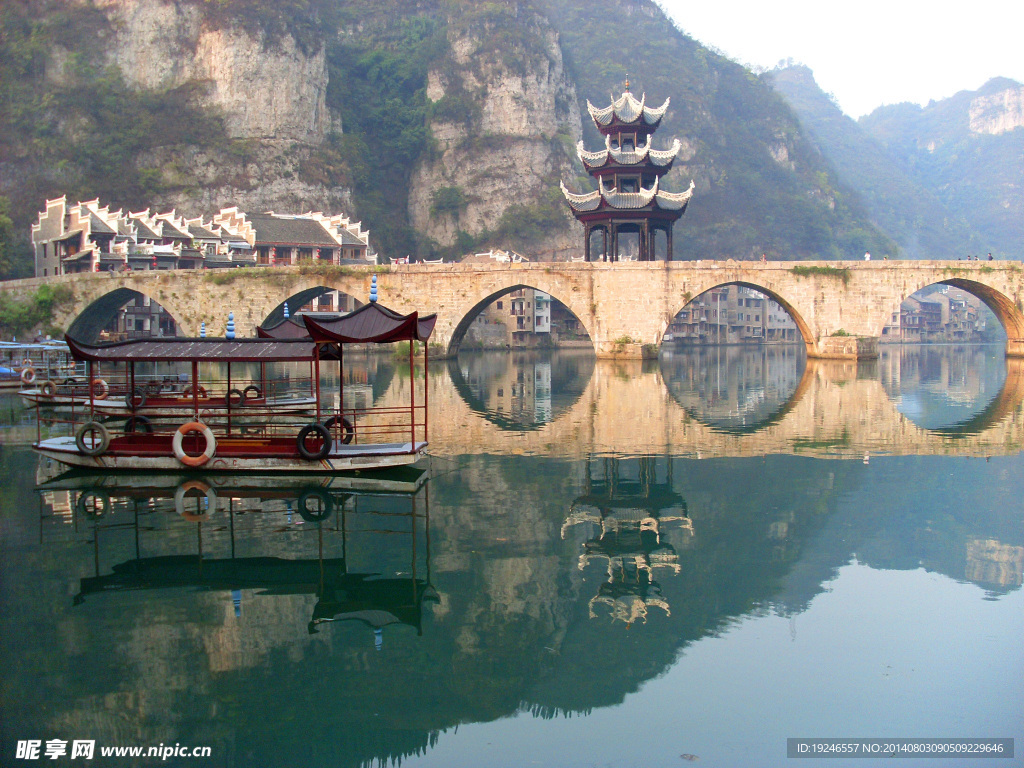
column 943, row 180
column 445, row 125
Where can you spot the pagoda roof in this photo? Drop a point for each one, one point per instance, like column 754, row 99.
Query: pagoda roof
column 628, row 109
column 659, row 158
column 612, row 198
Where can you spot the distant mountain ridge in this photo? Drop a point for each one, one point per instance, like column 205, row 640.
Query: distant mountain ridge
column 944, row 180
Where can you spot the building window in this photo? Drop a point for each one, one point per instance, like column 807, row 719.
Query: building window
column 499, row 305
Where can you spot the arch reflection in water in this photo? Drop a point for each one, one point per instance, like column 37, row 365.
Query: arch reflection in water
column 636, row 519
column 252, row 534
column 958, row 389
column 522, row 389
column 737, row 389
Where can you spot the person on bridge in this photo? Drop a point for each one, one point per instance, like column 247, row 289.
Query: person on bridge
column 867, row 257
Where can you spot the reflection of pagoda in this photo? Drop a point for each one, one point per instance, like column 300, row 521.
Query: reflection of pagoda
column 632, row 540
column 629, row 198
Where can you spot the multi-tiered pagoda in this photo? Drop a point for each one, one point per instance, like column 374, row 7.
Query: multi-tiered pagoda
column 629, row 199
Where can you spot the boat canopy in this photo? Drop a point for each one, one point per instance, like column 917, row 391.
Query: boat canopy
column 197, row 350
column 371, row 323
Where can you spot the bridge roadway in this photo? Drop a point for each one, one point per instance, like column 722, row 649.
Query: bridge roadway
column 840, row 308
column 626, row 408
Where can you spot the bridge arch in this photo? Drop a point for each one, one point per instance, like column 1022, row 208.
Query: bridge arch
column 480, row 303
column 1003, row 307
column 98, row 315
column 803, row 328
column 305, row 296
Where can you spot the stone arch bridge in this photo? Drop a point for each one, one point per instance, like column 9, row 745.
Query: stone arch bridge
column 840, row 308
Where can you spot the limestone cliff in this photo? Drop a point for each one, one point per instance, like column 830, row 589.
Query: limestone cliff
column 999, row 112
column 268, row 92
column 505, row 124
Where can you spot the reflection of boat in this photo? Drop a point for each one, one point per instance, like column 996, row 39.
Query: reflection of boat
column 334, row 505
column 633, row 518
column 240, row 436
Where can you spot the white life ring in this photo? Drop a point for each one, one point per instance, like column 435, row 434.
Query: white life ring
column 28, row 375
column 179, row 451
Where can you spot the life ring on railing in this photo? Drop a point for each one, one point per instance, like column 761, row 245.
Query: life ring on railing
column 256, row 392
column 138, row 424
column 27, row 362
column 320, row 510
column 70, row 381
column 347, row 430
column 325, row 442
column 99, row 389
column 48, row 389
column 195, row 485
column 234, row 398
column 93, row 511
column 28, row 375
column 200, row 390
column 97, row 443
column 179, row 451
column 136, row 398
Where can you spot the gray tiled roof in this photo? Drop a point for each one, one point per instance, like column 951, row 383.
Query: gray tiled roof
column 280, row 230
column 99, row 227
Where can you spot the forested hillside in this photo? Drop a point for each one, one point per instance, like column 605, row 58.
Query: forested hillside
column 444, row 125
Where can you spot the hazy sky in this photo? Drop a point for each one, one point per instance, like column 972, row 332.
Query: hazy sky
column 868, row 53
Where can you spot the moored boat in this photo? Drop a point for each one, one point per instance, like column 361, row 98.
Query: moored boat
column 240, row 434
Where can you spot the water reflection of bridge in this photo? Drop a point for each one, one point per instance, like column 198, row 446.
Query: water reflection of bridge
column 628, row 408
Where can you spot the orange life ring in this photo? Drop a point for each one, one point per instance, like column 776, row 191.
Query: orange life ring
column 195, row 485
column 200, row 391
column 99, row 389
column 179, row 451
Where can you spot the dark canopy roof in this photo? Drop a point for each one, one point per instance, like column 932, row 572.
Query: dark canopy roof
column 286, row 230
column 289, row 328
column 181, row 349
column 371, row 323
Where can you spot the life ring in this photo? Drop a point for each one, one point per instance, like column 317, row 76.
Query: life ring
column 92, row 510
column 234, row 397
column 252, row 388
column 48, row 389
column 195, row 485
column 138, row 424
column 28, row 375
column 27, row 362
column 325, row 442
column 99, row 389
column 70, row 381
column 321, row 509
column 97, row 443
column 347, row 430
column 200, row 390
column 136, row 398
column 179, row 451
column 153, row 388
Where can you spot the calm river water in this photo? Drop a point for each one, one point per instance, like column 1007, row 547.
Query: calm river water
column 686, row 560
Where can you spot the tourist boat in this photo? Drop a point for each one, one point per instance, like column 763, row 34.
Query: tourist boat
column 250, row 437
column 23, row 365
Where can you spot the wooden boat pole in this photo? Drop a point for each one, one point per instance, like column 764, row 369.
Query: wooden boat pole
column 195, row 390
column 426, row 392
column 341, row 389
column 316, row 380
column 228, row 398
column 412, row 394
